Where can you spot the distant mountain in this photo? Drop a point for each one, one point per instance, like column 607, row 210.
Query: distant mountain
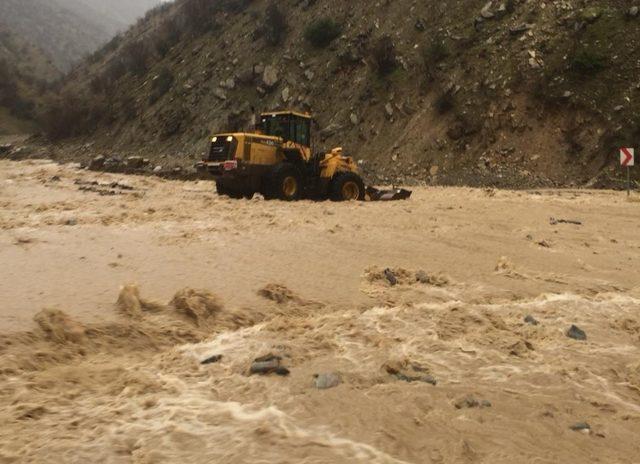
column 68, row 30
column 115, row 14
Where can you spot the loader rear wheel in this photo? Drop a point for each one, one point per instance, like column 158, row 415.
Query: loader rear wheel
column 223, row 191
column 285, row 183
column 220, row 188
column 347, row 186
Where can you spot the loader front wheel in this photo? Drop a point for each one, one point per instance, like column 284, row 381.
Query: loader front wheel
column 285, row 183
column 347, row 186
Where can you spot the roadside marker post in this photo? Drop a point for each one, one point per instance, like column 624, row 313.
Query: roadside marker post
column 628, row 159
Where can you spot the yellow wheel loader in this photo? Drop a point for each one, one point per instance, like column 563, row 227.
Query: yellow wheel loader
column 277, row 162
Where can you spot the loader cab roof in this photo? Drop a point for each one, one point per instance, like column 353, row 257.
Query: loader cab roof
column 291, row 126
column 285, row 113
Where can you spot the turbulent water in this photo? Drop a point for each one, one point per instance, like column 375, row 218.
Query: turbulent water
column 425, row 366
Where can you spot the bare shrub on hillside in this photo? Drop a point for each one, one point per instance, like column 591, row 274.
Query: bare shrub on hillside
column 8, row 86
column 9, row 93
column 161, row 84
column 134, row 57
column 384, row 55
column 199, row 15
column 587, row 61
column 275, row 24
column 167, row 36
column 321, row 32
column 113, row 71
column 71, row 115
column 435, row 51
column 445, row 102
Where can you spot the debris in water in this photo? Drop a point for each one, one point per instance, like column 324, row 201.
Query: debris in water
column 529, row 319
column 198, row 305
column 327, row 380
column 268, row 364
column 388, row 273
column 581, row 427
column 553, row 221
column 212, row 359
column 132, row 304
column 394, row 194
column 278, row 293
column 504, row 264
column 400, row 372
column 59, row 327
column 437, row 280
column 103, row 188
column 470, row 401
column 576, row 333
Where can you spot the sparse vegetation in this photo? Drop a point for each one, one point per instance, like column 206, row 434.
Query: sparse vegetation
column 445, row 102
column 435, row 51
column 384, row 55
column 587, row 61
column 322, row 32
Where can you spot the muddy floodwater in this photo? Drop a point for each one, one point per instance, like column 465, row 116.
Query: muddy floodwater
column 461, row 326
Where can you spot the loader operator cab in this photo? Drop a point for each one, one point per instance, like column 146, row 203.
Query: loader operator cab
column 290, row 126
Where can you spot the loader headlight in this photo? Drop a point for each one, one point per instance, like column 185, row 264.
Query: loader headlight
column 214, row 140
column 229, row 139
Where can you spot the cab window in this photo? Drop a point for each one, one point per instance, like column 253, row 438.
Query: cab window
column 302, row 131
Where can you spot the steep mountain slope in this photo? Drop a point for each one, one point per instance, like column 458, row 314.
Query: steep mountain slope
column 505, row 93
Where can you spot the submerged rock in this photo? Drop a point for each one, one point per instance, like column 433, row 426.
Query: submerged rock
column 268, row 364
column 212, row 359
column 327, row 380
column 581, row 427
column 576, row 333
column 391, row 278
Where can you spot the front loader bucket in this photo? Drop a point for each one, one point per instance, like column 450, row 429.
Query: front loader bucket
column 374, row 194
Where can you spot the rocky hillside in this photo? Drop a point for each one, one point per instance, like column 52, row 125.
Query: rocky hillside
column 511, row 92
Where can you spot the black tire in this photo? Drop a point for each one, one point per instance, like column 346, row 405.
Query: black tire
column 223, row 191
column 220, row 188
column 346, row 186
column 285, row 183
